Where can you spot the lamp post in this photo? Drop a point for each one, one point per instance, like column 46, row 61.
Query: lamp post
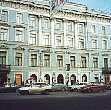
column 40, row 64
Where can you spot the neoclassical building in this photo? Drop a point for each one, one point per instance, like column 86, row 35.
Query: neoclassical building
column 73, row 43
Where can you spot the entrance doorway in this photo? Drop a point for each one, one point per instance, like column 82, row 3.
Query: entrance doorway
column 60, row 79
column 34, row 77
column 84, row 78
column 18, row 79
column 47, row 78
column 73, row 79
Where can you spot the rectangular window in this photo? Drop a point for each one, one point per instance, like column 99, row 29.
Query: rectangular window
column 58, row 24
column 19, row 36
column 70, row 41
column 69, row 26
column 32, row 39
column 19, row 18
column 95, row 62
column 3, row 34
column 18, row 59
column 72, row 61
column 104, row 44
column 47, row 60
column 4, row 15
column 2, row 57
column 33, row 59
column 46, row 40
column 32, row 21
column 93, row 28
column 104, row 30
column 60, row 60
column 58, row 41
column 46, row 23
column 81, row 43
column 81, row 28
column 94, row 43
column 83, row 62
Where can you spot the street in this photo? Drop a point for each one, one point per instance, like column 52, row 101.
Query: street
column 56, row 101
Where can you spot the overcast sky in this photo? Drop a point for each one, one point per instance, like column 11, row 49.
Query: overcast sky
column 96, row 4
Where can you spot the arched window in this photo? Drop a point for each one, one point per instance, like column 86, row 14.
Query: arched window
column 84, row 78
column 47, row 78
column 73, row 79
column 60, row 79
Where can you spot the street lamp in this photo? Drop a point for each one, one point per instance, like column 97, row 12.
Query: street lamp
column 40, row 64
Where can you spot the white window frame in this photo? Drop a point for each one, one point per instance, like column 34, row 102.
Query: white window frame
column 4, row 33
column 19, row 18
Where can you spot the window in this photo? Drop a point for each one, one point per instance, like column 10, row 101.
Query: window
column 81, row 28
column 69, row 26
column 32, row 21
column 32, row 39
column 46, row 23
column 3, row 34
column 47, row 60
column 83, row 62
column 70, row 41
column 60, row 61
column 95, row 62
column 33, row 59
column 93, row 28
column 72, row 61
column 94, row 43
column 19, row 18
column 58, row 41
column 19, row 35
column 46, row 40
column 4, row 15
column 2, row 57
column 104, row 30
column 104, row 44
column 18, row 59
column 81, row 43
column 105, row 62
column 58, row 24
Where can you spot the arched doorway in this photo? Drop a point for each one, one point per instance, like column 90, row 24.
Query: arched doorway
column 84, row 78
column 73, row 79
column 34, row 77
column 60, row 79
column 47, row 78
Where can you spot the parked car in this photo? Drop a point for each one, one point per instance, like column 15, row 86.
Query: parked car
column 34, row 88
column 59, row 87
column 93, row 88
column 77, row 86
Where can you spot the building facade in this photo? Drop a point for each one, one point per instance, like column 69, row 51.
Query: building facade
column 72, row 45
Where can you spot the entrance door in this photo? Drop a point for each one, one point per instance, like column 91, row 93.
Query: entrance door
column 18, row 78
column 107, row 78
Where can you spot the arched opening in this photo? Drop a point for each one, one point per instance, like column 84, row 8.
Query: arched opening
column 60, row 79
column 84, row 78
column 73, row 79
column 34, row 77
column 47, row 78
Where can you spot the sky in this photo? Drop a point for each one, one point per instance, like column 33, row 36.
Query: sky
column 104, row 5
